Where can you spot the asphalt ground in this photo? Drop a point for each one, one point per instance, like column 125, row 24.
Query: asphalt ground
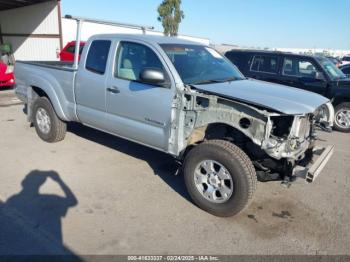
column 97, row 194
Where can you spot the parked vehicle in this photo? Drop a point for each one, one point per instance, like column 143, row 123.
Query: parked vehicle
column 335, row 61
column 7, row 61
column 67, row 53
column 313, row 73
column 346, row 60
column 7, row 78
column 346, row 70
column 187, row 100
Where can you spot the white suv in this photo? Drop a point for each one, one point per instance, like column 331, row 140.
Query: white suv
column 346, row 60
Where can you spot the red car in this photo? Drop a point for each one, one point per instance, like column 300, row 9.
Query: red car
column 7, row 78
column 67, row 53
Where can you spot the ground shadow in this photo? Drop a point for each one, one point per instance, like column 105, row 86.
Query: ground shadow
column 162, row 164
column 30, row 222
column 6, row 88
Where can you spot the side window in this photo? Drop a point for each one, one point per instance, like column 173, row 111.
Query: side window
column 256, row 63
column 306, row 69
column 265, row 64
column 234, row 58
column 299, row 68
column 71, row 49
column 289, row 67
column 96, row 60
column 132, row 58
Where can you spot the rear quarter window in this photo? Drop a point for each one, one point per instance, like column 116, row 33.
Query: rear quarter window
column 240, row 60
column 97, row 57
column 264, row 64
column 71, row 49
column 234, row 57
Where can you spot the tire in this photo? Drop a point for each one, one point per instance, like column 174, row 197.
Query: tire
column 239, row 168
column 339, row 123
column 53, row 132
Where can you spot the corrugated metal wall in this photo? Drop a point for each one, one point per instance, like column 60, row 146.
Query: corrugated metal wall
column 33, row 31
column 34, row 49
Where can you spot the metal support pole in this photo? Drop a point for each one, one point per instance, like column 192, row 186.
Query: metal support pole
column 112, row 23
column 77, row 44
column 1, row 38
column 81, row 20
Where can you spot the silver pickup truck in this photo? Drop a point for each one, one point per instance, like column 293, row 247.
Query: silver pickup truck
column 187, row 100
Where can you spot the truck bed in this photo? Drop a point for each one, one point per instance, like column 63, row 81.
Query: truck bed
column 55, row 78
column 67, row 66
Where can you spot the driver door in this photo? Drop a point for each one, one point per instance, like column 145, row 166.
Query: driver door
column 135, row 110
column 303, row 73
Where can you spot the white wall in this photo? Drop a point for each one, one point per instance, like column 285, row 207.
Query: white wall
column 34, row 49
column 36, row 19
column 69, row 28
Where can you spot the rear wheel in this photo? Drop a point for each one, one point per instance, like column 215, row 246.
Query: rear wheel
column 219, row 177
column 47, row 124
column 342, row 117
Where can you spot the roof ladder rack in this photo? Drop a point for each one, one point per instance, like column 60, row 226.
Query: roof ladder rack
column 81, row 20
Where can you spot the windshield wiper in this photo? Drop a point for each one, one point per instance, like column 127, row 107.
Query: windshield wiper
column 215, row 81
column 230, row 79
column 206, row 82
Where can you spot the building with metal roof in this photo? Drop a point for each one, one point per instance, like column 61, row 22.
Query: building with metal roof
column 32, row 28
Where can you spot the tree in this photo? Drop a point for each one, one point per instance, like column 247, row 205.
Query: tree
column 171, row 15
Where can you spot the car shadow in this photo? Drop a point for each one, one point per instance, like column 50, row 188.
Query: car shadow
column 31, row 222
column 6, row 88
column 162, row 164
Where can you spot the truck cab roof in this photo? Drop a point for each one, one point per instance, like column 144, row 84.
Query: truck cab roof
column 154, row 39
column 270, row 52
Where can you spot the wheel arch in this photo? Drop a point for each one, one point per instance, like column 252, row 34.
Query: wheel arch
column 35, row 91
column 214, row 131
column 340, row 99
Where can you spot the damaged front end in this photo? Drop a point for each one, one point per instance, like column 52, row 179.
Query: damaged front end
column 290, row 141
column 281, row 146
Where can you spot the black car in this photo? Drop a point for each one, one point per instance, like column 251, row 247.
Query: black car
column 313, row 73
column 345, row 69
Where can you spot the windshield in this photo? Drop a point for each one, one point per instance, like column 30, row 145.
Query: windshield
column 331, row 69
column 201, row 65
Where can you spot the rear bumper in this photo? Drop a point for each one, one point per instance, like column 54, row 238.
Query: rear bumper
column 311, row 171
column 7, row 80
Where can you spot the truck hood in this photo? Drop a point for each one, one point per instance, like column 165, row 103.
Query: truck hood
column 283, row 99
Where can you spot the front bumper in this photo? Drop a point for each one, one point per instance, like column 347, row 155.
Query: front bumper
column 312, row 170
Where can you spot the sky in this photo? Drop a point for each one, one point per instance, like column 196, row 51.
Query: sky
column 252, row 23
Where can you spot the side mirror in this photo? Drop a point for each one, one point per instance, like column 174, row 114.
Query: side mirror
column 152, row 76
column 320, row 76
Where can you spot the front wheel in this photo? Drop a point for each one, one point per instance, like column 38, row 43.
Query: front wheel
column 219, row 177
column 47, row 124
column 342, row 118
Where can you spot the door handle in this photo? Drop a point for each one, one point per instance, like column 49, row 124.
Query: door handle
column 113, row 90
